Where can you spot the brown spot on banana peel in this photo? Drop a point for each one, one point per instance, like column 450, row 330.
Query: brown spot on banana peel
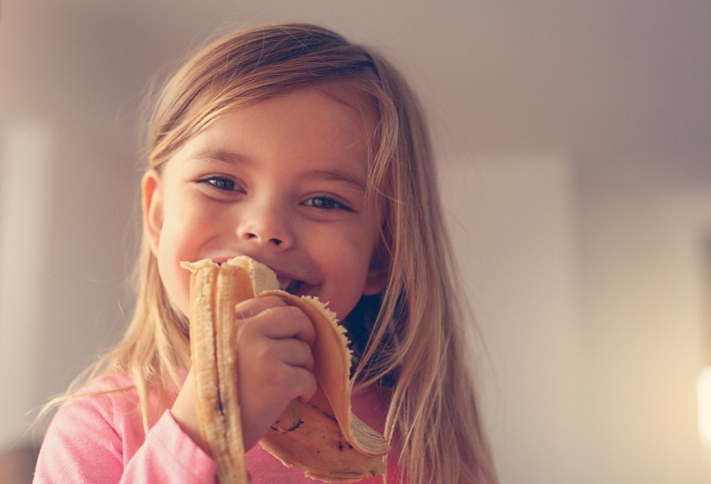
column 332, row 360
column 322, row 437
column 331, row 443
column 212, row 352
column 320, row 450
column 290, row 419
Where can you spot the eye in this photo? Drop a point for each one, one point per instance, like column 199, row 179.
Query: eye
column 222, row 183
column 325, row 203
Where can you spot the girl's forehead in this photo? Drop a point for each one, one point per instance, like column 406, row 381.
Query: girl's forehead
column 305, row 121
column 351, row 104
column 213, row 105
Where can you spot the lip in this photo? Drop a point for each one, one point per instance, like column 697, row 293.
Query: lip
column 220, row 260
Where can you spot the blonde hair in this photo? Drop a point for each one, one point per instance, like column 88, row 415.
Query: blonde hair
column 417, row 340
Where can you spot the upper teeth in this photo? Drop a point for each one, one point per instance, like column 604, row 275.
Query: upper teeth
column 289, row 285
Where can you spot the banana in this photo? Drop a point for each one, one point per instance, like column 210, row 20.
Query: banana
column 322, row 437
column 212, row 353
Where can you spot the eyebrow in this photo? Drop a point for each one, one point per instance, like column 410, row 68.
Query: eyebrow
column 221, row 155
column 340, row 176
column 231, row 158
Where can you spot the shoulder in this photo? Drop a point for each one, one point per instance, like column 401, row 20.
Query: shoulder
column 99, row 434
column 106, row 408
column 83, row 430
column 103, row 395
column 104, row 414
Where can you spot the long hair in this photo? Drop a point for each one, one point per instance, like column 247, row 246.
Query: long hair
column 417, row 340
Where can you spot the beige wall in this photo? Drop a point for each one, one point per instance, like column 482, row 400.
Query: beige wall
column 595, row 306
column 27, row 152
column 514, row 218
column 647, row 321
column 68, row 245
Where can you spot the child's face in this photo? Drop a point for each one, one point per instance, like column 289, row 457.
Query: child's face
column 282, row 181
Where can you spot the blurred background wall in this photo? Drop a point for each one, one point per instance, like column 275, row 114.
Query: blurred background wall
column 574, row 142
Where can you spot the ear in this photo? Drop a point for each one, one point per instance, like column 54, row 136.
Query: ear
column 152, row 205
column 377, row 272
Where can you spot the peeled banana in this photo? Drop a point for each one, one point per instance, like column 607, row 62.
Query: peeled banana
column 322, row 437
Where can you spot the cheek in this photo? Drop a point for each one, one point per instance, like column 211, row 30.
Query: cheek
column 351, row 266
column 185, row 226
column 177, row 244
column 176, row 281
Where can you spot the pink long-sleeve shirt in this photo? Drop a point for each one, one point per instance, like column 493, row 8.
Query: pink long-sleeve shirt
column 100, row 439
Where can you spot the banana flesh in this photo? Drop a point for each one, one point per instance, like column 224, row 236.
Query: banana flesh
column 322, row 437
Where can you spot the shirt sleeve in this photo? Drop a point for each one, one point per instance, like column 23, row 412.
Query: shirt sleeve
column 169, row 455
column 88, row 442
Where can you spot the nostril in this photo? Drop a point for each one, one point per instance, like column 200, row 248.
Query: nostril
column 267, row 233
column 275, row 240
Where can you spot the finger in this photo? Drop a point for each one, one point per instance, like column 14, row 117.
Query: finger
column 270, row 354
column 295, row 353
column 307, row 387
column 252, row 307
column 276, row 320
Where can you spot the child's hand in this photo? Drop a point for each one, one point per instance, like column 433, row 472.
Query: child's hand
column 274, row 362
column 275, row 365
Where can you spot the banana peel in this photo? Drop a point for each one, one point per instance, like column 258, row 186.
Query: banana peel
column 322, row 437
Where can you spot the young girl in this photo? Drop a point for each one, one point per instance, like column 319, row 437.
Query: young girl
column 310, row 154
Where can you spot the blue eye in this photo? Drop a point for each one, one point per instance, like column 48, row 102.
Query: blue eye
column 221, row 183
column 325, row 203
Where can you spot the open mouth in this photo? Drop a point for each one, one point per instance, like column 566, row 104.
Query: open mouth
column 286, row 283
column 291, row 286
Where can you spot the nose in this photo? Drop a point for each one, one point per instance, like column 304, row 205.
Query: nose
column 265, row 226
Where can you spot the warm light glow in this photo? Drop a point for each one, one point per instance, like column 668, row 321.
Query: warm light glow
column 703, row 392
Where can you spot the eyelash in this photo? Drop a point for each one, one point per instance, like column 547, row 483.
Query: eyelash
column 326, row 203
column 221, row 183
column 227, row 184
